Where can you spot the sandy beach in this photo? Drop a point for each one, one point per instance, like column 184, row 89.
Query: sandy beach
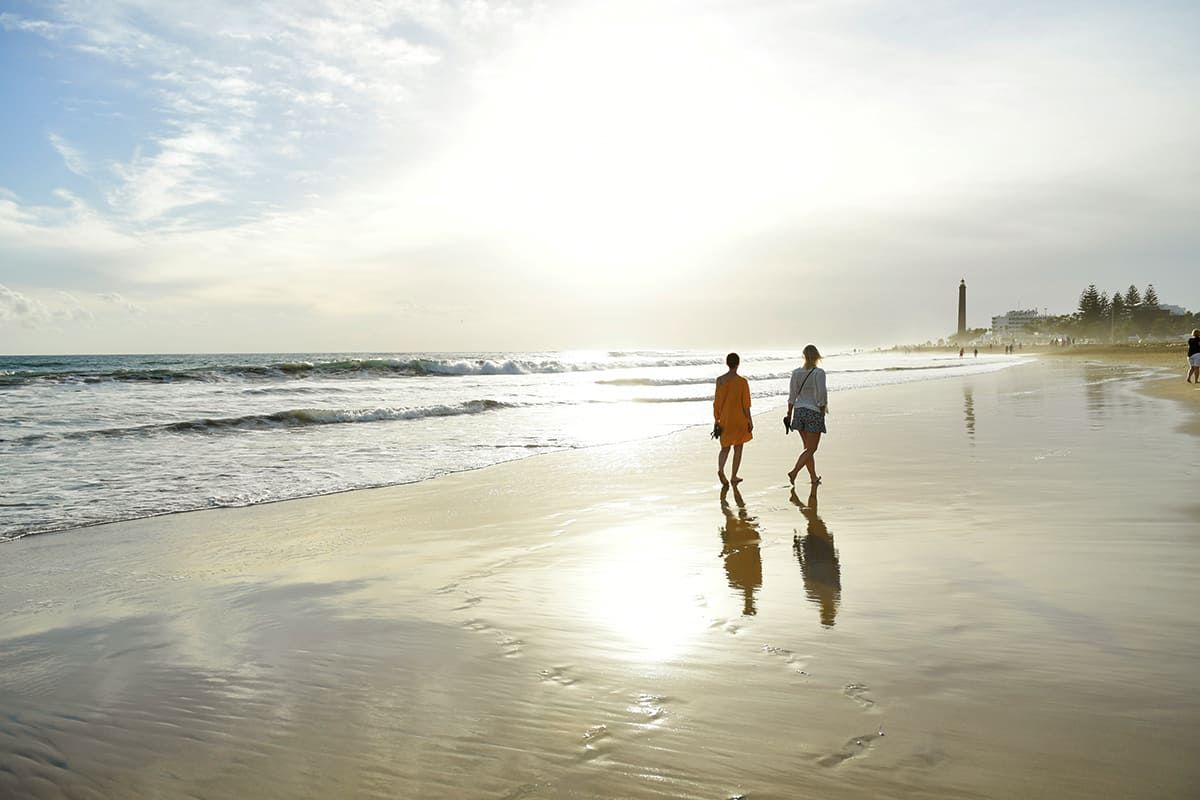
column 993, row 594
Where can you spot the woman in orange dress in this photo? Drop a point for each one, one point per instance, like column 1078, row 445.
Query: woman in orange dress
column 731, row 412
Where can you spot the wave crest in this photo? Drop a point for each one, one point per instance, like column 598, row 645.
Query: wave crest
column 368, row 367
column 291, row 418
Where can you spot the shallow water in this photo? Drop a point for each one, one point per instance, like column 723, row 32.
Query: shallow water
column 93, row 439
column 991, row 595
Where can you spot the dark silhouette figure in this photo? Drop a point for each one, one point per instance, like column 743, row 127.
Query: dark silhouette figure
column 969, row 412
column 739, row 549
column 1194, row 357
column 818, row 560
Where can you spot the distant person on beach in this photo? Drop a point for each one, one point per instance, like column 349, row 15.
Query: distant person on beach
column 733, row 424
column 1193, row 375
column 808, row 403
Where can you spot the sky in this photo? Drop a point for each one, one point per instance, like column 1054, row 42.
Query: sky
column 314, row 175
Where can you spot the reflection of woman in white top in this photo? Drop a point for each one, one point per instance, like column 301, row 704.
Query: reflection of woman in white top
column 807, row 404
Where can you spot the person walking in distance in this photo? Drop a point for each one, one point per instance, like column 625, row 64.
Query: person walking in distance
column 808, row 402
column 731, row 414
column 1193, row 375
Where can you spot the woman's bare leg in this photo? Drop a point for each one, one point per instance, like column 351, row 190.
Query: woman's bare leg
column 737, row 462
column 724, row 454
column 800, row 460
column 812, row 440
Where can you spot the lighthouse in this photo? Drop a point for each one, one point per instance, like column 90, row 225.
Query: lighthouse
column 962, row 307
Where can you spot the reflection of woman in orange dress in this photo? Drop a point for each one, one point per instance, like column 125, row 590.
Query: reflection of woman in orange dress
column 731, row 410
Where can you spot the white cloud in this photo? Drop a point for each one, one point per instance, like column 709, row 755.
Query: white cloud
column 122, row 302
column 73, row 228
column 244, row 79
column 70, row 155
column 184, row 172
column 14, row 22
column 71, row 310
column 22, row 309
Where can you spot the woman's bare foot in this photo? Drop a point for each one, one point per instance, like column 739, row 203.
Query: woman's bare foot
column 792, row 478
column 816, row 481
column 736, row 480
column 723, row 479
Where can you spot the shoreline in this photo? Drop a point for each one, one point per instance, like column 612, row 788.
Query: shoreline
column 1122, row 356
column 1169, row 359
column 7, row 540
column 1129, row 356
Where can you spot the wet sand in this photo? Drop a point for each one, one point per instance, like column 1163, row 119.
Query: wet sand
column 1169, row 367
column 993, row 594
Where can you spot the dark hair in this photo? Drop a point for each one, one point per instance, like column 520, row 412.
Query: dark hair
column 732, row 360
column 811, row 354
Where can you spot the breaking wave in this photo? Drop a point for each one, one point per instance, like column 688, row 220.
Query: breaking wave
column 292, row 418
column 336, row 368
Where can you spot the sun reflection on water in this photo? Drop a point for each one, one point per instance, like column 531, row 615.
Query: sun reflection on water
column 646, row 595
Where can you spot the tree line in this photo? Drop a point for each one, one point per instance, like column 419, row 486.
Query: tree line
column 1120, row 315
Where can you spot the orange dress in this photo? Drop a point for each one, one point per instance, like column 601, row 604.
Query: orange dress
column 732, row 396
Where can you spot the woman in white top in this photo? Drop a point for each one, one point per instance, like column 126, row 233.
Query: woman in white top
column 807, row 404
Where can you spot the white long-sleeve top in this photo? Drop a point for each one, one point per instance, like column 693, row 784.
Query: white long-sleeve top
column 813, row 395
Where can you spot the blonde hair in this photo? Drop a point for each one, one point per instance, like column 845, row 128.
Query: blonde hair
column 811, row 355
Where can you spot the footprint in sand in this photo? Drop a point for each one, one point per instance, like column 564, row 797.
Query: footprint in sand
column 510, row 646
column 789, row 658
column 858, row 693
column 524, row 790
column 596, row 741
column 650, row 708
column 731, row 628
column 560, row 675
column 854, row 747
column 470, row 601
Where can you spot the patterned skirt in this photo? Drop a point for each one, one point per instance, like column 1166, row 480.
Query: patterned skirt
column 805, row 419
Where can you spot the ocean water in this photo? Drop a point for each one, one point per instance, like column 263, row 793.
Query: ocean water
column 93, row 439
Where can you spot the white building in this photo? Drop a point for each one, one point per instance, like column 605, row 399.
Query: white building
column 1015, row 324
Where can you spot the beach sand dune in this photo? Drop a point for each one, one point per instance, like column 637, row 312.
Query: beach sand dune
column 993, row 594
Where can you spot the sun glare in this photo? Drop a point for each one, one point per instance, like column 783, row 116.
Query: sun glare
column 608, row 143
column 645, row 595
